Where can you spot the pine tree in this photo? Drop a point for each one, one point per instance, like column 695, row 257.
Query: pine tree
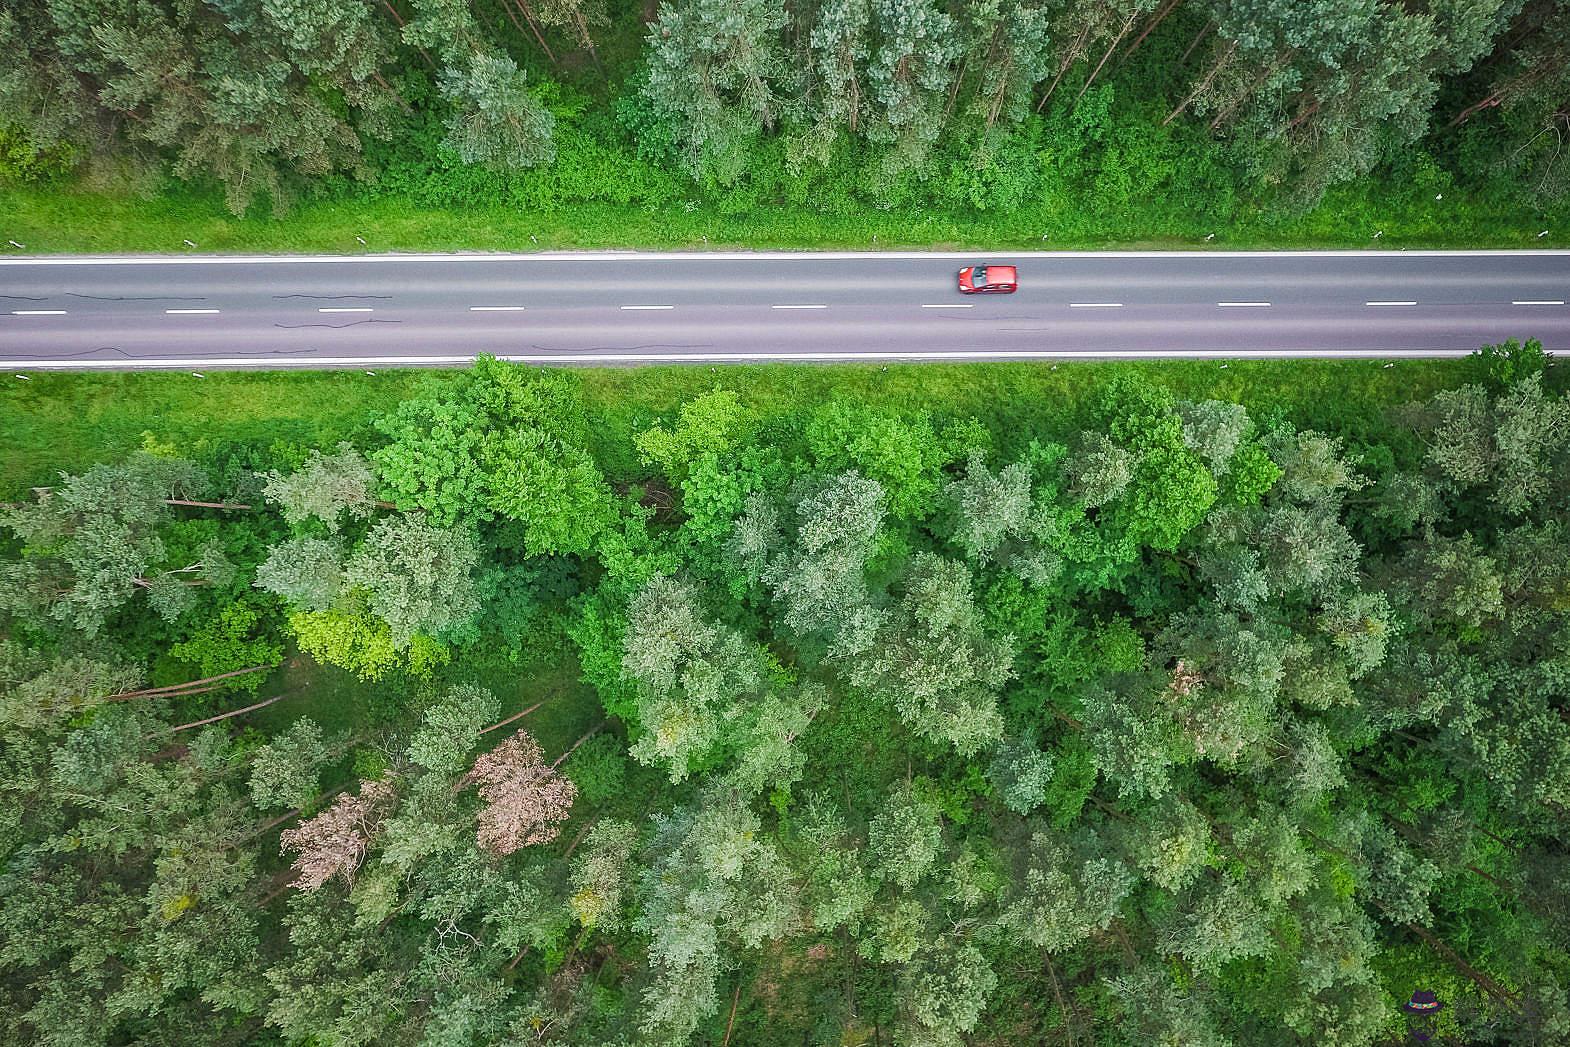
column 717, row 74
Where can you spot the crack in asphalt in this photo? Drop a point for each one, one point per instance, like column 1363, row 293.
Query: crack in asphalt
column 24, row 298
column 336, row 327
column 333, row 297
column 133, row 298
column 193, row 356
column 100, row 349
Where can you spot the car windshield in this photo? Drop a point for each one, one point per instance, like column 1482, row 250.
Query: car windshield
column 978, row 275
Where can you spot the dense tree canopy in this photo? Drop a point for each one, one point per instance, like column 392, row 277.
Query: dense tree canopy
column 1182, row 725
column 980, row 105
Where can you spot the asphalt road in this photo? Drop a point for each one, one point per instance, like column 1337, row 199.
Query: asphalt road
column 390, row 310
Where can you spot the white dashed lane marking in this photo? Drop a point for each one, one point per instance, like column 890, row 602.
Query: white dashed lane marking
column 948, row 305
column 1544, row 302
column 648, row 307
column 190, row 312
column 37, row 312
column 1243, row 305
column 1389, row 303
column 798, row 307
column 495, row 308
column 1095, row 305
column 344, row 309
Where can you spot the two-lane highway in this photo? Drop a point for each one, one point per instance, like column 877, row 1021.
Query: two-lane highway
column 387, row 310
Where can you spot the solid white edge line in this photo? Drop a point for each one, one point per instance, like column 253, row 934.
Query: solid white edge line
column 251, row 363
column 37, row 312
column 189, row 312
column 949, row 305
column 495, row 308
column 1243, row 305
column 1559, row 302
column 798, row 307
column 1389, row 303
column 1095, row 305
column 612, row 256
column 648, row 307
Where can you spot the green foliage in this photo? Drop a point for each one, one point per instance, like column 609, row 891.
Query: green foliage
column 933, row 661
column 98, row 539
column 714, row 70
column 904, row 838
column 495, row 119
column 1020, row 772
column 995, row 767
column 599, row 876
column 904, row 455
column 324, row 488
column 1062, row 891
column 451, row 730
column 418, row 579
column 308, row 572
column 363, row 644
column 284, row 771
column 1501, row 366
column 599, row 770
column 225, row 643
column 510, row 446
column 706, row 427
column 1170, row 843
column 690, row 675
column 1220, row 923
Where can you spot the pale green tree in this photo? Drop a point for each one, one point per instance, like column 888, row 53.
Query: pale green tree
column 934, row 662
column 904, row 838
column 1170, row 843
column 1020, row 772
column 308, row 572
column 419, row 578
column 817, row 575
column 1217, row 922
column 97, row 539
column 325, row 488
column 835, row 96
column 946, row 990
column 1062, row 890
column 909, row 73
column 694, row 677
column 286, row 771
column 1156, row 1010
column 496, row 120
column 713, row 884
column 444, row 741
column 837, row 889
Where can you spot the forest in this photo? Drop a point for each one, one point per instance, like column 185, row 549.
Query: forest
column 1128, row 119
column 845, row 721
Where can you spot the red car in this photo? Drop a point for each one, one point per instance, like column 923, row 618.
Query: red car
column 988, row 279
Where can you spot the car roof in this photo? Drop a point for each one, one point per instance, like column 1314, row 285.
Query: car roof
column 1001, row 274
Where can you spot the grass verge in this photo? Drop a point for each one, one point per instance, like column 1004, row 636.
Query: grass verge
column 61, row 221
column 68, row 421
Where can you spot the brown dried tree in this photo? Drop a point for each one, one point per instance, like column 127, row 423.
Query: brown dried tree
column 526, row 800
column 334, row 842
column 1185, row 680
